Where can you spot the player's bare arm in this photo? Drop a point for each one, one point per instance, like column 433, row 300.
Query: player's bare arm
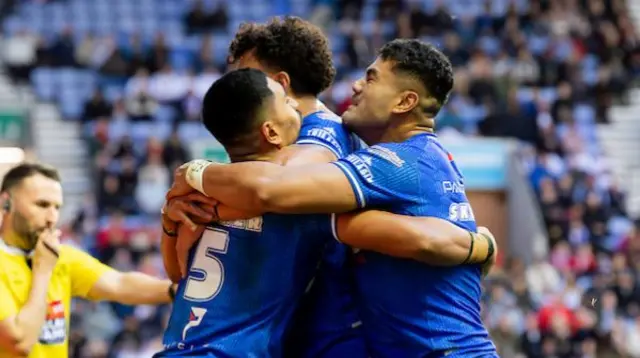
column 132, row 288
column 18, row 333
column 267, row 187
column 314, row 188
column 426, row 239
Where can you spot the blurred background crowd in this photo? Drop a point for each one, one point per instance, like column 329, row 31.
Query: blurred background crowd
column 132, row 75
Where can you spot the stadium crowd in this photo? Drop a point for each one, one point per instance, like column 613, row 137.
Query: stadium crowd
column 544, row 72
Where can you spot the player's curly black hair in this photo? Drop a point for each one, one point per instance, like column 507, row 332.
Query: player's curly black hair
column 424, row 62
column 291, row 45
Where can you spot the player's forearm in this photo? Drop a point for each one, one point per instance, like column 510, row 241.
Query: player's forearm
column 265, row 187
column 136, row 288
column 240, row 186
column 31, row 317
column 169, row 257
column 168, row 247
column 429, row 240
column 449, row 245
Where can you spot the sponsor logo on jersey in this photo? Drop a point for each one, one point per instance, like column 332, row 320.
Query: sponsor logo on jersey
column 253, row 224
column 452, row 187
column 195, row 318
column 327, row 134
column 362, row 164
column 54, row 329
column 461, row 212
column 329, row 117
column 386, row 153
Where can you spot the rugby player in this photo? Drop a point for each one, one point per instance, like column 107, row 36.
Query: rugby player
column 408, row 309
column 296, row 54
column 246, row 276
column 39, row 276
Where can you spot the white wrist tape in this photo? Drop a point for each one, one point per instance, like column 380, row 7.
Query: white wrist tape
column 195, row 174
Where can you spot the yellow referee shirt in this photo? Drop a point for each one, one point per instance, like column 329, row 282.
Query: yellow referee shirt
column 74, row 275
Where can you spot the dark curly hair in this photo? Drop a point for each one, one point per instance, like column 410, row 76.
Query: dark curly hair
column 291, row 45
column 425, row 63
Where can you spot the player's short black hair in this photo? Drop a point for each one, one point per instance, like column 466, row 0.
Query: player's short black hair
column 22, row 171
column 423, row 62
column 292, row 45
column 232, row 106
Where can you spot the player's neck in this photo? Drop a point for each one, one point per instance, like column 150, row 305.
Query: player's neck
column 271, row 156
column 307, row 105
column 401, row 130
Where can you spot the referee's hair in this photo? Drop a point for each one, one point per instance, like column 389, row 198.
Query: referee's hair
column 25, row 170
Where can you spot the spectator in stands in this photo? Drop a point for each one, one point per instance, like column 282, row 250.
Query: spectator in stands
column 158, row 56
column 140, row 106
column 19, row 54
column 110, row 61
column 85, row 50
column 96, row 107
column 174, row 153
column 63, row 49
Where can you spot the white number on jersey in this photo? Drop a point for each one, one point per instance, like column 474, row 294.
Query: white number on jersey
column 206, row 285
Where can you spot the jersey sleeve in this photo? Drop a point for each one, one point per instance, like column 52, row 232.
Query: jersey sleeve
column 9, row 306
column 84, row 270
column 326, row 130
column 382, row 174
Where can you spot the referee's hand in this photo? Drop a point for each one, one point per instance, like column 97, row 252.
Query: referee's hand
column 47, row 251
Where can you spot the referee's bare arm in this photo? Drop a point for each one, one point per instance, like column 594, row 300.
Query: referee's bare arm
column 19, row 332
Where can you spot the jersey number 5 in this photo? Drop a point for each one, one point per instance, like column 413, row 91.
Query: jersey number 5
column 207, row 273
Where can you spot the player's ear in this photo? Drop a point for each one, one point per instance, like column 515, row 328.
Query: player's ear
column 284, row 80
column 271, row 134
column 407, row 101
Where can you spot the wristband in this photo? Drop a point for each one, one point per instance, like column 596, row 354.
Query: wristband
column 163, row 217
column 491, row 249
column 472, row 237
column 169, row 233
column 195, row 173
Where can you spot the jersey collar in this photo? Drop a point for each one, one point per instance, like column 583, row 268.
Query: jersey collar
column 12, row 249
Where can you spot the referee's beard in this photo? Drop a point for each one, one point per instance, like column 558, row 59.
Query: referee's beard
column 27, row 234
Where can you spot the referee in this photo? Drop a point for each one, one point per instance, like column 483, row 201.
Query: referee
column 39, row 276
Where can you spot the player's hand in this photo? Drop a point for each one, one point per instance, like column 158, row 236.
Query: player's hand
column 47, row 251
column 180, row 187
column 191, row 209
column 486, row 268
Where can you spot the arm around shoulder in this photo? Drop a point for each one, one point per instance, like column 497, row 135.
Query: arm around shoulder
column 267, row 187
column 426, row 239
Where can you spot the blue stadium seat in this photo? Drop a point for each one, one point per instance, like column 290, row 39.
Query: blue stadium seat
column 189, row 131
column 12, row 24
column 181, row 59
column 43, row 81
